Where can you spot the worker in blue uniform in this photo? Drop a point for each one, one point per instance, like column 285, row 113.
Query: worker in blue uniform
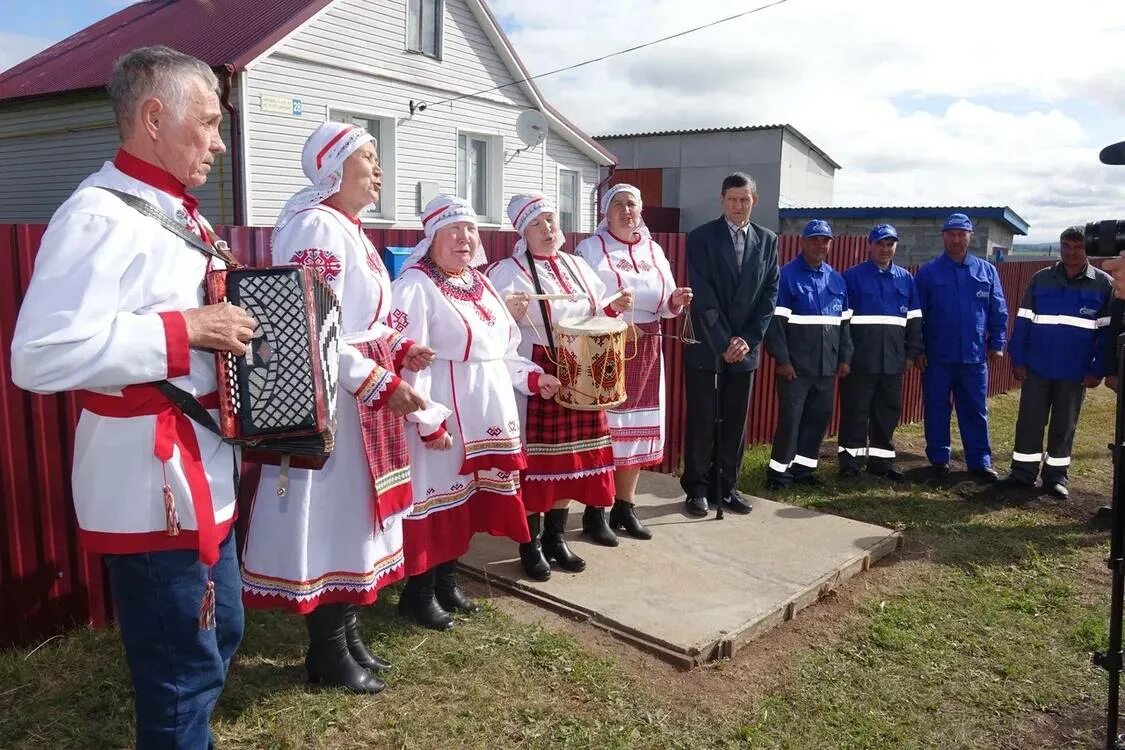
column 809, row 338
column 886, row 330
column 1058, row 350
column 964, row 326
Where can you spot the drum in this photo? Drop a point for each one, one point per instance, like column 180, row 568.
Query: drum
column 591, row 362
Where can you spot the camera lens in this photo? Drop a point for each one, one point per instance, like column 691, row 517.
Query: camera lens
column 1105, row 238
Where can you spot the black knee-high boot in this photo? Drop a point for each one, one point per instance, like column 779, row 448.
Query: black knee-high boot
column 554, row 543
column 356, row 647
column 531, row 553
column 419, row 603
column 449, row 594
column 624, row 516
column 328, row 659
column 594, row 525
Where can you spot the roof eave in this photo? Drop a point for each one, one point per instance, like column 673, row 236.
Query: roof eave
column 812, row 146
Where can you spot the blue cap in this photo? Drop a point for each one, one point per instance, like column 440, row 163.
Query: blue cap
column 881, row 232
column 958, row 221
column 817, row 228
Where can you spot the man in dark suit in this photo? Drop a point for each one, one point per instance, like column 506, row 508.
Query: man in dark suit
column 732, row 267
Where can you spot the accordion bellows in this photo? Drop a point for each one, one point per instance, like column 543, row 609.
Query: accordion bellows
column 280, row 397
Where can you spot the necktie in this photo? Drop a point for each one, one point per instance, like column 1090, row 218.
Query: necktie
column 739, row 246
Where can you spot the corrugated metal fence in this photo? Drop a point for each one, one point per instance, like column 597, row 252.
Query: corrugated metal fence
column 48, row 584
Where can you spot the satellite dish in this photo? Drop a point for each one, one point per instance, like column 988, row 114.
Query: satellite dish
column 531, row 127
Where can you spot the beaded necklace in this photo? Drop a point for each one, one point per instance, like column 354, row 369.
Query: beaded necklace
column 470, row 290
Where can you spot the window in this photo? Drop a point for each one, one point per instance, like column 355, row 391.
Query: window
column 423, row 27
column 383, row 130
column 479, row 171
column 569, row 189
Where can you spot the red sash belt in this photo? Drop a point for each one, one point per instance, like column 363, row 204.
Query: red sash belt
column 173, row 429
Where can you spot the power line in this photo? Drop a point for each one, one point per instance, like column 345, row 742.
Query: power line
column 421, row 106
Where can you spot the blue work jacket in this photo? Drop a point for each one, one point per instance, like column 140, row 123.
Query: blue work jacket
column 1062, row 324
column 964, row 315
column 809, row 329
column 886, row 323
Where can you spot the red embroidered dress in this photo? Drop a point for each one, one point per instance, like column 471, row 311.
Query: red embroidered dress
column 474, row 486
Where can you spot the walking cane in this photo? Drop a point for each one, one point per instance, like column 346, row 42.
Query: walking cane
column 716, row 450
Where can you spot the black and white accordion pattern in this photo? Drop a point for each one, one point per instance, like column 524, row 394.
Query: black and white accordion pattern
column 280, row 398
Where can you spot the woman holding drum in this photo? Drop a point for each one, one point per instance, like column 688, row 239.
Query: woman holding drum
column 569, row 451
column 465, row 469
column 624, row 254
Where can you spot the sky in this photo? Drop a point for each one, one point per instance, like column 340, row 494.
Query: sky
column 958, row 102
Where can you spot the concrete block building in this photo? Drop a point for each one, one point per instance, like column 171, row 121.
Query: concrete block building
column 683, row 170
column 919, row 228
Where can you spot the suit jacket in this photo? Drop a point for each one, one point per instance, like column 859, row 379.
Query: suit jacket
column 730, row 301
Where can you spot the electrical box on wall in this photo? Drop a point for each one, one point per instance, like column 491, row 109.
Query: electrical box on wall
column 427, row 191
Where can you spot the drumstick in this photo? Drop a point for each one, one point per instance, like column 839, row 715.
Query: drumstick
column 613, row 298
column 554, row 297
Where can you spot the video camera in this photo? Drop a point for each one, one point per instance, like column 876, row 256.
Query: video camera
column 1106, row 238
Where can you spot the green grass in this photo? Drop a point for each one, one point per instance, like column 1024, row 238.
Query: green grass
column 977, row 636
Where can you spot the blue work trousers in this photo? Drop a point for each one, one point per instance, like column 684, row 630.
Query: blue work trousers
column 965, row 387
column 178, row 670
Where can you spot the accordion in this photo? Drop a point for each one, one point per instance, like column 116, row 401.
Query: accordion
column 279, row 399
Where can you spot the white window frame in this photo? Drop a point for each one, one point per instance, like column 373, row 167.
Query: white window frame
column 577, row 197
column 416, row 47
column 386, row 212
column 494, row 176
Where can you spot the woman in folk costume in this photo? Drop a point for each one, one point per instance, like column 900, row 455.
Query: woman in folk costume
column 569, row 452
column 465, row 469
column 334, row 539
column 624, row 254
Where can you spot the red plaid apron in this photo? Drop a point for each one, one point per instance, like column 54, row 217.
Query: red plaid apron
column 642, row 372
column 556, row 468
column 384, row 441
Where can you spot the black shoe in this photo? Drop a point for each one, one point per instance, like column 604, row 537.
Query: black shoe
column 531, row 553
column 849, row 471
column 328, row 659
column 777, row 484
column 624, row 517
column 356, row 647
column 810, row 479
column 696, row 506
column 735, row 502
column 893, row 473
column 1058, row 489
column 448, row 594
column 419, row 603
column 941, row 471
column 595, row 526
column 1012, row 482
column 986, row 474
column 554, row 542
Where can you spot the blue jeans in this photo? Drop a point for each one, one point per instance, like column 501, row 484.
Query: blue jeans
column 178, row 670
column 967, row 384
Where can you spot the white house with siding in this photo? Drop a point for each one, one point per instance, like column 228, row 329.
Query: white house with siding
column 287, row 66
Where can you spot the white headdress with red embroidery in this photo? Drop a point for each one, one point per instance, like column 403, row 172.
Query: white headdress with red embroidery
column 441, row 211
column 523, row 209
column 322, row 160
column 607, row 197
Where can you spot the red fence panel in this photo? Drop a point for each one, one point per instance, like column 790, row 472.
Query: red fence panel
column 47, row 583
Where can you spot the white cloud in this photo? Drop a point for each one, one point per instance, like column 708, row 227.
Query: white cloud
column 15, row 48
column 963, row 102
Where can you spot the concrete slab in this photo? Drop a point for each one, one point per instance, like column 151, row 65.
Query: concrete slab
column 701, row 589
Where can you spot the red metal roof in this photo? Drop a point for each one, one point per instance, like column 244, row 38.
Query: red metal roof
column 218, row 32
